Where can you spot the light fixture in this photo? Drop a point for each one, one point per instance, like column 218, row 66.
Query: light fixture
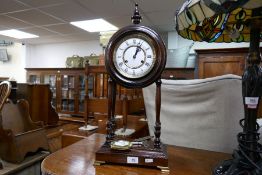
column 95, row 25
column 233, row 22
column 17, row 34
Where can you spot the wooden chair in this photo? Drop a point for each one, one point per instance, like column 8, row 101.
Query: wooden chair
column 5, row 89
column 18, row 134
column 128, row 101
column 39, row 97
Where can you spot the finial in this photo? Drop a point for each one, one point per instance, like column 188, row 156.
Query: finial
column 136, row 18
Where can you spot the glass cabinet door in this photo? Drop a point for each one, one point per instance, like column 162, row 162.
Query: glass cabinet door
column 81, row 98
column 35, row 79
column 68, row 93
column 51, row 80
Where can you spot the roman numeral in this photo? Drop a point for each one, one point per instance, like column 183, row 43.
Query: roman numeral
column 149, row 56
column 126, row 69
column 121, row 64
column 147, row 64
column 140, row 43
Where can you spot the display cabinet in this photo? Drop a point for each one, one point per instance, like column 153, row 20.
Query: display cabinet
column 67, row 86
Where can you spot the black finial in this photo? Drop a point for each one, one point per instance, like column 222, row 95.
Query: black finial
column 136, row 18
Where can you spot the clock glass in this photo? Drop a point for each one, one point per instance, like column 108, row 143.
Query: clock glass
column 134, row 56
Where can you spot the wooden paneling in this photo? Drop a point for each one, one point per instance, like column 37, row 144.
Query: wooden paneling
column 178, row 73
column 220, row 62
column 215, row 62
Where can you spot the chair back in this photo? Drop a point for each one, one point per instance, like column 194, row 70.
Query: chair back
column 199, row 113
column 5, row 89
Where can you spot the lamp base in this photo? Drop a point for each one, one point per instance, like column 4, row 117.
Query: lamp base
column 239, row 165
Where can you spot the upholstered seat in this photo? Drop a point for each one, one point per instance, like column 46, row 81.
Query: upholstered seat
column 200, row 113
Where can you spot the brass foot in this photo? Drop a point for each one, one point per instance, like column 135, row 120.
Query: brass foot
column 98, row 163
column 163, row 169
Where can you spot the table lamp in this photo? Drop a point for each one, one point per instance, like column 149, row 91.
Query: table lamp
column 232, row 21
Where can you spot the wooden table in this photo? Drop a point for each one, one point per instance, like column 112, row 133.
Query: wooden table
column 134, row 122
column 79, row 158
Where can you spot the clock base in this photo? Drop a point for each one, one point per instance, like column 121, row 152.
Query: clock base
column 145, row 155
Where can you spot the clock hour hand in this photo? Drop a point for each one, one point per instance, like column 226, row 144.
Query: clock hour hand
column 137, row 50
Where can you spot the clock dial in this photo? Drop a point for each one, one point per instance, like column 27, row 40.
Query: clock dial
column 134, row 56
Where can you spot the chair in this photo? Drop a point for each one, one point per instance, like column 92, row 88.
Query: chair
column 128, row 101
column 5, row 89
column 200, row 113
column 18, row 134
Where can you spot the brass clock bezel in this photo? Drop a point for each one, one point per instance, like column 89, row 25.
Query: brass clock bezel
column 160, row 56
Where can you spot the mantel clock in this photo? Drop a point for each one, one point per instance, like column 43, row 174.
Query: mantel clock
column 134, row 58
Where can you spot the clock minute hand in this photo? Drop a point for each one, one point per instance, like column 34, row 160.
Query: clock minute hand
column 137, row 50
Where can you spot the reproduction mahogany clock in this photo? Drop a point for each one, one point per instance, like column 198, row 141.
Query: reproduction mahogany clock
column 134, row 58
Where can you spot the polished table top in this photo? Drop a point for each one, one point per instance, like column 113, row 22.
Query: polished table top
column 78, row 159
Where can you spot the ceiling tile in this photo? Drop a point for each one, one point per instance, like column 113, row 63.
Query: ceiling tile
column 156, row 5
column 12, row 23
column 67, row 38
column 161, row 17
column 50, row 18
column 3, row 27
column 125, row 21
column 108, row 8
column 39, row 3
column 69, row 12
column 35, row 17
column 165, row 28
column 84, row 36
column 65, row 29
column 39, row 31
column 47, row 39
column 10, row 6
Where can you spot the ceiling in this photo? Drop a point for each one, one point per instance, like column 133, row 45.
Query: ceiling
column 50, row 19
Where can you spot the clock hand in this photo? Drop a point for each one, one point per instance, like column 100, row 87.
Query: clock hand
column 137, row 50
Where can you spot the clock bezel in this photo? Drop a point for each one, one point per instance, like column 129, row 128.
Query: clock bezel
column 153, row 74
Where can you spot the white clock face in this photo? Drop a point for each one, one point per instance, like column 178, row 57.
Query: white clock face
column 134, row 57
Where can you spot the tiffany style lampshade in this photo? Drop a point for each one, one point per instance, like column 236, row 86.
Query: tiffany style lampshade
column 232, row 21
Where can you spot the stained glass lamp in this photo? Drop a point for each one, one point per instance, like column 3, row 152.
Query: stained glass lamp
column 232, row 21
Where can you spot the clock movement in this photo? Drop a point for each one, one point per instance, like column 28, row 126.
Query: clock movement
column 134, row 58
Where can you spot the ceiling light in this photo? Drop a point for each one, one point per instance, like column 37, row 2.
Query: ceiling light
column 95, row 25
column 17, row 34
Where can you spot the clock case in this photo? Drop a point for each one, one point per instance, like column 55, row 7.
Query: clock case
column 153, row 153
column 159, row 64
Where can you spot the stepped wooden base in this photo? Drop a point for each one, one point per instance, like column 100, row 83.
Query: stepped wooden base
column 145, row 155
